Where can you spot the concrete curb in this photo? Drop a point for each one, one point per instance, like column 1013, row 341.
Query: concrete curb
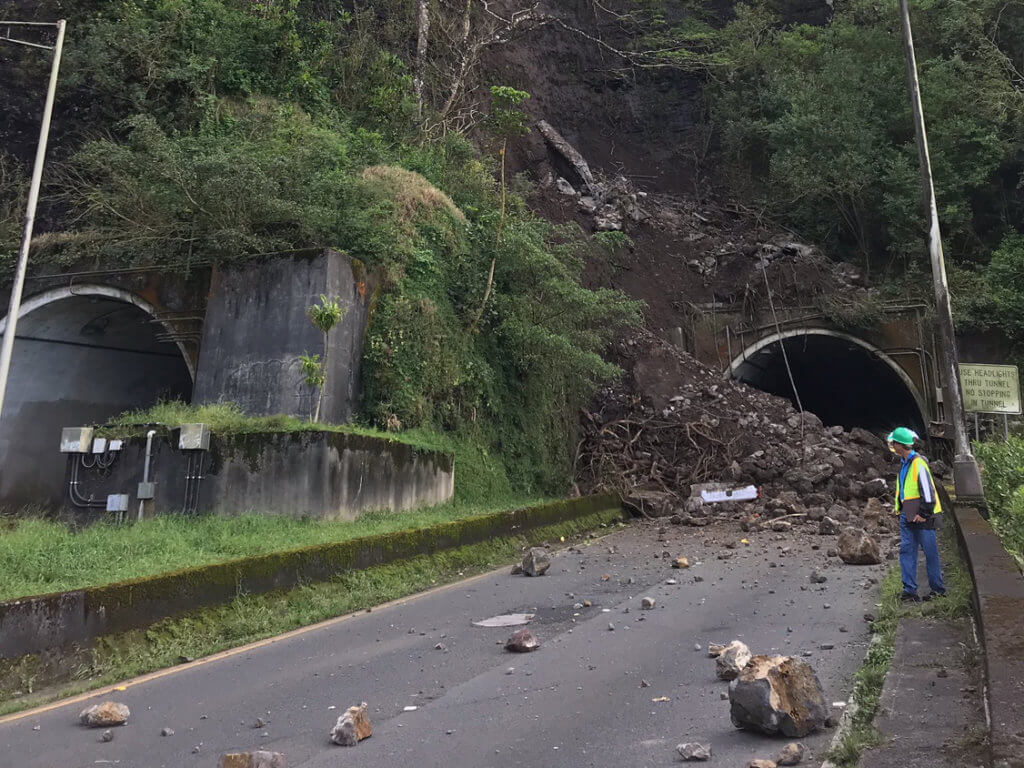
column 999, row 604
column 34, row 625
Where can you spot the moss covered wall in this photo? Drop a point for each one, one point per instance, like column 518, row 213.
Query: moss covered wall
column 35, row 624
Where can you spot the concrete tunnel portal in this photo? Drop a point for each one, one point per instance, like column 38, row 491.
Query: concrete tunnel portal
column 842, row 379
column 82, row 355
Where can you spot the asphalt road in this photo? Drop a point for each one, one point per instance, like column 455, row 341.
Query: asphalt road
column 580, row 700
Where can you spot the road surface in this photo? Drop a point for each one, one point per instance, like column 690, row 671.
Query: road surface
column 580, row 700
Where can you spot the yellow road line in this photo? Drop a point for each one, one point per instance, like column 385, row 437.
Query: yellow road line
column 151, row 676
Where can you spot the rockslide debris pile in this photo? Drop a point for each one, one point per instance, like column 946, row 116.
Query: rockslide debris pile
column 671, row 423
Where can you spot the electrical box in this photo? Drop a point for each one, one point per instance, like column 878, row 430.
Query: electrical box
column 194, row 437
column 117, row 502
column 75, row 439
column 146, row 491
column 99, row 445
column 114, row 445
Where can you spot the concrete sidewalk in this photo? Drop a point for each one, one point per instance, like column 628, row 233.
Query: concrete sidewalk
column 931, row 712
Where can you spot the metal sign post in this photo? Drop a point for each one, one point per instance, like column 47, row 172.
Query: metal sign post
column 33, row 193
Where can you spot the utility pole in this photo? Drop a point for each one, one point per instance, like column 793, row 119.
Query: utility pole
column 33, row 191
column 966, row 476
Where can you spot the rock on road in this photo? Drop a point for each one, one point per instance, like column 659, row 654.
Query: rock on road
column 584, row 698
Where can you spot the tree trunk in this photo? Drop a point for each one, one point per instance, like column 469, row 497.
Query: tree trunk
column 423, row 28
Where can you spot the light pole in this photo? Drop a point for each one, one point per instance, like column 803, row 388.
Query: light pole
column 966, row 476
column 33, row 191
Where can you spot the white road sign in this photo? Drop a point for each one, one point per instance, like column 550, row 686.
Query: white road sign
column 990, row 388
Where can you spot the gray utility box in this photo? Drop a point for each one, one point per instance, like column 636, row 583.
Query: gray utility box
column 194, row 437
column 76, row 439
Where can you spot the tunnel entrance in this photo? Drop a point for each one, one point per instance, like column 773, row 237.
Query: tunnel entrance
column 841, row 380
column 79, row 358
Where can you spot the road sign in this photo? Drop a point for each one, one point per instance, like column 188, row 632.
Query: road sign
column 990, row 388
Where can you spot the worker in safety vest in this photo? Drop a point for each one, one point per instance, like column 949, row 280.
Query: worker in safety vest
column 917, row 504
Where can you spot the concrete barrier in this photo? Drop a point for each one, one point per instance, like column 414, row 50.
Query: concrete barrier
column 999, row 606
column 33, row 625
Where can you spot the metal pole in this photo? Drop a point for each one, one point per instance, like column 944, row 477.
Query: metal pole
column 966, row 476
column 30, row 215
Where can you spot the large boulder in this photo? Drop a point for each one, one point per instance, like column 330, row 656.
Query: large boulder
column 352, row 727
column 732, row 660
column 104, row 715
column 536, row 562
column 857, row 547
column 777, row 695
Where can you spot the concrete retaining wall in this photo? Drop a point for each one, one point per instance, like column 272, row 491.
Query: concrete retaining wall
column 257, row 327
column 999, row 606
column 36, row 624
column 324, row 475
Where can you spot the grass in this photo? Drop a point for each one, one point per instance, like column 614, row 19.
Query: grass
column 39, row 556
column 254, row 617
column 228, row 419
column 480, row 476
column 869, row 679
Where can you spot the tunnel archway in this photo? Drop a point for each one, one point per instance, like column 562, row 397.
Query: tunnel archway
column 82, row 354
column 844, row 380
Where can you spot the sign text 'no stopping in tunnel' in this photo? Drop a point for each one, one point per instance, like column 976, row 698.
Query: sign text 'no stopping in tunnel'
column 990, row 388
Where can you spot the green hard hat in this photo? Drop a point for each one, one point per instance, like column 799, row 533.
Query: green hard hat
column 902, row 435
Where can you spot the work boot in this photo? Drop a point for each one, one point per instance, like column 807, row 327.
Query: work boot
column 934, row 596
column 910, row 597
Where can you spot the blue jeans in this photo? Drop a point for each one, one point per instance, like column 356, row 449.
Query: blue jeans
column 912, row 537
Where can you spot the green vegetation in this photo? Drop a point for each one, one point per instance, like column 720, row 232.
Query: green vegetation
column 39, row 556
column 1003, row 471
column 816, row 122
column 251, row 618
column 225, row 130
column 868, row 681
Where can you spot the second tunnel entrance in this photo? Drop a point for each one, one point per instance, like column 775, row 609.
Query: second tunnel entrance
column 843, row 381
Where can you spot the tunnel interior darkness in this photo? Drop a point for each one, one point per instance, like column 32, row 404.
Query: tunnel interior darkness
column 840, row 381
column 77, row 361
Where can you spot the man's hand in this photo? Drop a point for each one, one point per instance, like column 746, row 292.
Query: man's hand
column 917, row 519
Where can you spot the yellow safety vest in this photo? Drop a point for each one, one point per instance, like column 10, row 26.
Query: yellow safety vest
column 913, row 488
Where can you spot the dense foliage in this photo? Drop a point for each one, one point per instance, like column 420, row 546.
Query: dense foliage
column 817, row 124
column 217, row 130
column 1003, row 468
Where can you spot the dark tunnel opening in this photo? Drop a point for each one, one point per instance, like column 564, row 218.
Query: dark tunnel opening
column 78, row 361
column 842, row 382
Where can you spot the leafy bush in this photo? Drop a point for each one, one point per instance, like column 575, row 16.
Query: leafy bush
column 1003, row 470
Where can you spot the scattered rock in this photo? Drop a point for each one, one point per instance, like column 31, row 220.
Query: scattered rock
column 777, row 695
column 354, row 726
column 715, row 650
column 781, row 526
column 647, row 603
column 536, row 562
column 104, row 715
column 731, row 661
column 791, row 754
column 680, row 562
column 761, row 764
column 828, row 526
column 857, row 547
column 694, row 751
column 517, row 570
column 108, row 735
column 817, row 578
column 522, row 641
column 166, row 731
column 256, row 759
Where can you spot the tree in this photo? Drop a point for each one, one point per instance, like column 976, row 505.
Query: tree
column 324, row 316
